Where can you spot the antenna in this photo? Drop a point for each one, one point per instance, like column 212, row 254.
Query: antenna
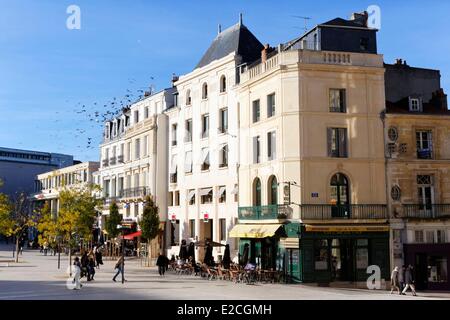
column 305, row 20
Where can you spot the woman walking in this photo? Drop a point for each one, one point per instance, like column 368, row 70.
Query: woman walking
column 120, row 264
column 394, row 281
column 77, row 274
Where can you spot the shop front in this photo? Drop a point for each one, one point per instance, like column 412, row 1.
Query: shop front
column 342, row 253
column 431, row 262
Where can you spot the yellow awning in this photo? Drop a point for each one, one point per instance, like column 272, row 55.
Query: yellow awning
column 254, row 231
column 310, row 228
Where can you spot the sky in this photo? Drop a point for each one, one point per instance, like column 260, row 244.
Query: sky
column 49, row 74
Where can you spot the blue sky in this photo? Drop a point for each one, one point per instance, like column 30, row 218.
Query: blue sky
column 48, row 72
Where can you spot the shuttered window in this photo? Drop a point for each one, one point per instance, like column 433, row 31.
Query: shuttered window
column 337, row 142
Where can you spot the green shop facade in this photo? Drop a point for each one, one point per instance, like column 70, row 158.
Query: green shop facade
column 315, row 253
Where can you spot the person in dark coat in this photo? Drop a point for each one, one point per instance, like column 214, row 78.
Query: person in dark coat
column 409, row 280
column 162, row 262
column 226, row 261
column 245, row 255
column 191, row 252
column 98, row 257
column 209, row 260
column 91, row 269
column 183, row 250
column 84, row 264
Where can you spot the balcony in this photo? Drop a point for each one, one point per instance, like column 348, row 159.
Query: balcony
column 120, row 159
column 105, row 162
column 430, row 211
column 135, row 192
column 344, row 212
column 112, row 161
column 425, row 154
column 271, row 212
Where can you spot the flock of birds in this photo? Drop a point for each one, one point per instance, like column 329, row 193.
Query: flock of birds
column 89, row 119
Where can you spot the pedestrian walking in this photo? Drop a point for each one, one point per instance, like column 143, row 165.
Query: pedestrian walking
column 119, row 267
column 45, row 247
column 409, row 280
column 394, row 281
column 77, row 274
column 401, row 277
column 162, row 262
column 98, row 257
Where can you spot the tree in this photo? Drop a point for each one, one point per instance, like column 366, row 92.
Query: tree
column 15, row 217
column 113, row 220
column 150, row 220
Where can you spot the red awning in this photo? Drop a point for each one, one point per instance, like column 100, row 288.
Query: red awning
column 131, row 236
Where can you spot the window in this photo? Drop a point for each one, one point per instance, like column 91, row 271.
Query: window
column 256, row 111
column 222, row 194
column 106, row 188
column 188, row 98
column 273, row 190
column 145, row 146
column 337, row 100
column 206, row 195
column 136, row 180
column 205, row 126
column 129, row 151
column 430, row 236
column 188, row 162
column 173, row 169
column 223, row 120
column 136, row 116
column 191, row 197
column 393, row 134
column 192, row 228
column 271, row 145
column 440, row 236
column 235, row 192
column 146, row 113
column 256, row 149
column 223, row 156
column 223, row 84
column 424, row 142
column 257, row 193
column 340, row 196
column 170, row 199
column 418, row 236
column 222, row 229
column 176, row 198
column 415, row 105
column 137, row 149
column 396, row 193
column 364, row 44
column 397, row 235
column 188, row 137
column 270, row 105
column 205, row 159
column 174, row 134
column 175, row 99
column 337, row 142
column 175, row 233
column 425, row 192
column 205, row 91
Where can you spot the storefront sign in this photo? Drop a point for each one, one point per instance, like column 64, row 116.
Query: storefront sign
column 310, row 228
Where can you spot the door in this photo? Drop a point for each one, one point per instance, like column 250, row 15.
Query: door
column 425, row 193
column 421, row 271
column 340, row 196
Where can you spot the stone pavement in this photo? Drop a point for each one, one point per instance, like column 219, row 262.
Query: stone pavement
column 37, row 277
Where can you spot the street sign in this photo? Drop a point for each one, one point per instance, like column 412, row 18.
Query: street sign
column 206, row 217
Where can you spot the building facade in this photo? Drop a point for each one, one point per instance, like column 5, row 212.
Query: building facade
column 418, row 162
column 134, row 160
column 204, row 139
column 312, row 199
column 19, row 168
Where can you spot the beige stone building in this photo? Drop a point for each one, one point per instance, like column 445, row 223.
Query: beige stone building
column 418, row 162
column 312, row 197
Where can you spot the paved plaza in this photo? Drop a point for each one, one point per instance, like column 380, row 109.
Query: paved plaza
column 37, row 277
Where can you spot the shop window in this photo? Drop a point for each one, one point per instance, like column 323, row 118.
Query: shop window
column 321, row 254
column 362, row 254
column 437, row 269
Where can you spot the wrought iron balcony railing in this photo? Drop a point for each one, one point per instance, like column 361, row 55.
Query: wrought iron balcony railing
column 351, row 212
column 263, row 212
column 135, row 192
column 429, row 211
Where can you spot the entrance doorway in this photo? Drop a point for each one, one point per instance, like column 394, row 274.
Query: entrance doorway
column 340, row 196
column 342, row 260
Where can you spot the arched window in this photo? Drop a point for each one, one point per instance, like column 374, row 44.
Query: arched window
column 256, row 192
column 205, row 91
column 223, row 84
column 188, row 98
column 272, row 190
column 339, row 189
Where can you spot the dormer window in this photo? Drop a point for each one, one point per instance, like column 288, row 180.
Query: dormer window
column 223, row 84
column 136, row 116
column 415, row 105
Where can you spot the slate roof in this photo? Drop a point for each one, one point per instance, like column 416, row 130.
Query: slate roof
column 237, row 39
column 339, row 22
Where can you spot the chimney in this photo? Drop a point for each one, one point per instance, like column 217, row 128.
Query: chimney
column 175, row 78
column 240, row 20
column 264, row 53
column 147, row 93
column 361, row 18
column 219, row 31
column 439, row 100
column 399, row 62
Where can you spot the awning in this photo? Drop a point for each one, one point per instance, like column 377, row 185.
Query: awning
column 131, row 236
column 221, row 191
column 235, row 190
column 173, row 165
column 254, row 231
column 204, row 192
column 191, row 194
column 310, row 228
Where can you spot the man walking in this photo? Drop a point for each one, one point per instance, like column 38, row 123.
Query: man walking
column 120, row 268
column 394, row 281
column 162, row 264
column 409, row 280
